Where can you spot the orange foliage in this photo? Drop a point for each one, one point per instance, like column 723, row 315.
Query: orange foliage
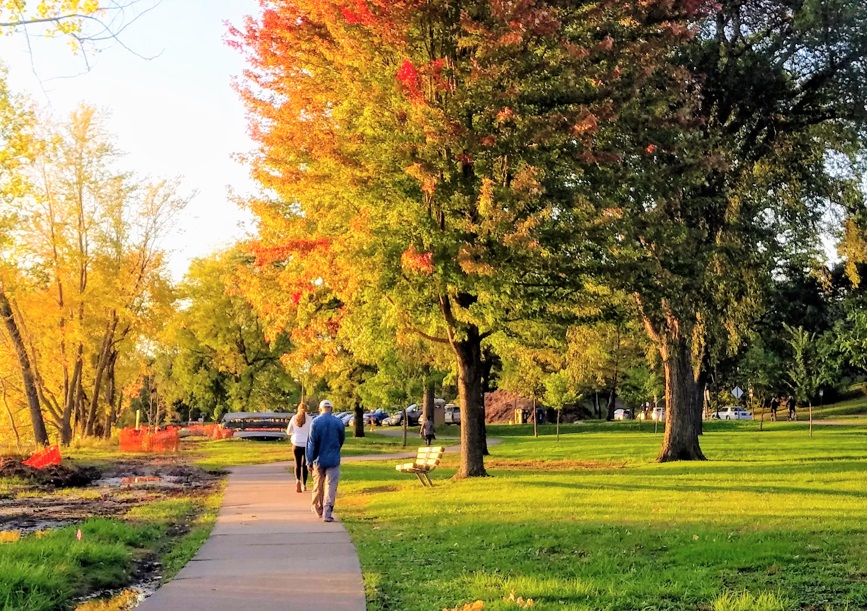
column 413, row 261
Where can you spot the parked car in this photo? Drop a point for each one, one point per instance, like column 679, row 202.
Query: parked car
column 452, row 414
column 657, row 413
column 622, row 414
column 731, row 412
column 376, row 416
column 413, row 415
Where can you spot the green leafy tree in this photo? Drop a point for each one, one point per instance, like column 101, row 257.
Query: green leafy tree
column 705, row 219
column 217, row 357
column 558, row 392
column 436, row 150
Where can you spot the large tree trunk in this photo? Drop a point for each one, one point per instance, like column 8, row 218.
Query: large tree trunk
column 39, row 432
column 469, row 354
column 683, row 414
column 358, row 426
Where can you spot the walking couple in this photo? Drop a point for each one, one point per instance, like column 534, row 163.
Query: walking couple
column 317, row 442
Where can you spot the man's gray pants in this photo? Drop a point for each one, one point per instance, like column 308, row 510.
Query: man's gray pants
column 325, row 489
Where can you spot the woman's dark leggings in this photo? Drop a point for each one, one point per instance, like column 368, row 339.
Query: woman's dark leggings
column 300, row 464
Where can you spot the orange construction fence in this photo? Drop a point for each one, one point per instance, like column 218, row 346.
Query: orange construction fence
column 145, row 440
column 44, row 458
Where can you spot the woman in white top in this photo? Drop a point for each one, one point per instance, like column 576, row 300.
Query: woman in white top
column 298, row 430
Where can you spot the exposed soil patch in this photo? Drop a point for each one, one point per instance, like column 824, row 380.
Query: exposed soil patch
column 47, row 478
column 55, row 496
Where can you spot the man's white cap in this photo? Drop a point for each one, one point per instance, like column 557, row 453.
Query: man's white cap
column 325, row 403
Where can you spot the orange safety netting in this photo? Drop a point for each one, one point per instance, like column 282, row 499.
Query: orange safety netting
column 44, row 458
column 145, row 440
column 221, row 433
column 200, row 430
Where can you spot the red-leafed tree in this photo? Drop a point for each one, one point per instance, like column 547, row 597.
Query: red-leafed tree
column 436, row 155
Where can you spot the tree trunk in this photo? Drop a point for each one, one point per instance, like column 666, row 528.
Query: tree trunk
column 469, row 355
column 613, row 395
column 69, row 401
column 110, row 394
column 683, row 414
column 40, row 435
column 427, row 401
column 104, row 355
column 11, row 417
column 358, row 425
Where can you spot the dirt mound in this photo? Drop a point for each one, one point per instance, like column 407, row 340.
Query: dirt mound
column 500, row 405
column 54, row 476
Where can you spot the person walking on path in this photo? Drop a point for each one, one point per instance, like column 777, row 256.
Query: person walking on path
column 790, row 404
column 427, row 431
column 327, row 434
column 775, row 403
column 298, row 431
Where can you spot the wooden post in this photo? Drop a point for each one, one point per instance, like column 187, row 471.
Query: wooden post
column 536, row 426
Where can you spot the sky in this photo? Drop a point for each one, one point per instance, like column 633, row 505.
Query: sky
column 170, row 106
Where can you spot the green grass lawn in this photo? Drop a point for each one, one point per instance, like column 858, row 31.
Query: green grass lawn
column 774, row 520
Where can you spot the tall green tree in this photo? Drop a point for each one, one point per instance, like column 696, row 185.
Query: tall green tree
column 717, row 206
column 217, row 356
column 435, row 151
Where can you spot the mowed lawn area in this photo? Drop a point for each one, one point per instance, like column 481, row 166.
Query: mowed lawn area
column 773, row 520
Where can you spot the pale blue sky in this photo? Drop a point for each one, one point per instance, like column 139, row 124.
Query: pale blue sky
column 174, row 115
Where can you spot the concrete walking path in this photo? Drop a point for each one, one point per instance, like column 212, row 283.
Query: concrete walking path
column 267, row 552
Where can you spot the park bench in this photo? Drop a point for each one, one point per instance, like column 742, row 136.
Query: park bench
column 427, row 459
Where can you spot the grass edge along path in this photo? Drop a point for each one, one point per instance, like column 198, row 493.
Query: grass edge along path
column 51, row 570
column 775, row 521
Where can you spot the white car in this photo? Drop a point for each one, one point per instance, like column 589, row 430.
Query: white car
column 622, row 414
column 657, row 413
column 731, row 412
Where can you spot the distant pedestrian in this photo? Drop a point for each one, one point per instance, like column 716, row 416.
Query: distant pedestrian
column 323, row 454
column 298, row 431
column 427, row 431
column 790, row 404
column 775, row 404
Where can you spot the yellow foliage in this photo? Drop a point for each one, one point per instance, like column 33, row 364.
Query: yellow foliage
column 9, row 536
column 476, row 606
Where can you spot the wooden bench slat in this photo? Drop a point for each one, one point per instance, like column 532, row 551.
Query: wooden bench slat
column 427, row 459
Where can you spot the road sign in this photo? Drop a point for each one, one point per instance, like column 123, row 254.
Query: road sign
column 737, row 392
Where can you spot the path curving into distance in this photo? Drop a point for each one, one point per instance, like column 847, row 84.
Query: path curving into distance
column 269, row 552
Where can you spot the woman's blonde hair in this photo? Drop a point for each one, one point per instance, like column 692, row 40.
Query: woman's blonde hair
column 301, row 416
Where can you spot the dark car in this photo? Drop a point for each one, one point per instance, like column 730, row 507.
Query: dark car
column 413, row 415
column 377, row 416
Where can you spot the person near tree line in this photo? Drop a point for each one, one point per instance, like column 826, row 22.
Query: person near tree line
column 298, row 431
column 427, row 431
column 790, row 404
column 775, row 403
column 327, row 434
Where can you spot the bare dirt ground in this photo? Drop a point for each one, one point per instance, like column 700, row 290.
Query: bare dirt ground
column 55, row 496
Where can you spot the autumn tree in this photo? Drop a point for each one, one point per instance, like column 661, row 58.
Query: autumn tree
column 215, row 355
column 16, row 152
column 89, row 275
column 427, row 154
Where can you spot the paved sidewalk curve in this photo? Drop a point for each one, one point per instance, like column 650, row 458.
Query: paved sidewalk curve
column 267, row 552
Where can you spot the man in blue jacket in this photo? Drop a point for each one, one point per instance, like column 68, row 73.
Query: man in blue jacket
column 323, row 453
